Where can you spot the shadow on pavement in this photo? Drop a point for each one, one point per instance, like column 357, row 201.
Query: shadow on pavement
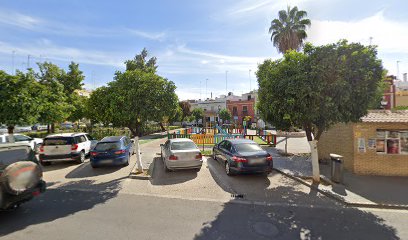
column 161, row 177
column 58, row 203
column 85, row 170
column 294, row 214
column 58, row 165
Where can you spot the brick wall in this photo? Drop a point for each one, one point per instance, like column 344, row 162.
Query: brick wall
column 371, row 163
column 339, row 140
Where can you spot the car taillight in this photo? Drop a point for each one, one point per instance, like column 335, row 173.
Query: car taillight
column 41, row 148
column 172, row 157
column 269, row 158
column 199, row 156
column 120, row 152
column 239, row 159
column 74, row 147
column 94, row 153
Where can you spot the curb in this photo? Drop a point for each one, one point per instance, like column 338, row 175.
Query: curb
column 145, row 175
column 340, row 199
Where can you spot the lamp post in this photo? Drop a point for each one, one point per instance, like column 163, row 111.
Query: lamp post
column 218, row 117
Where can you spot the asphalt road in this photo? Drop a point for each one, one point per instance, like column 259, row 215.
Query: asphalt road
column 86, row 203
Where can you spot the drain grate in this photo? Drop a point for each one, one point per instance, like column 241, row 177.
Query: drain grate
column 237, row 196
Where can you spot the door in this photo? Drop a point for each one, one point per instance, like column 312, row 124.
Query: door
column 84, row 144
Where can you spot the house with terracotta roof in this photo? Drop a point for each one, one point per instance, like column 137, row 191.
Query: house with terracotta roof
column 377, row 145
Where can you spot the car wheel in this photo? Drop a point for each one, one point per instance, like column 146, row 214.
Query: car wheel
column 228, row 170
column 81, row 157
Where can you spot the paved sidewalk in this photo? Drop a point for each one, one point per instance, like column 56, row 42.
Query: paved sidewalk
column 356, row 190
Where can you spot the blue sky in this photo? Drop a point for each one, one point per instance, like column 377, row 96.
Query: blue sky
column 193, row 40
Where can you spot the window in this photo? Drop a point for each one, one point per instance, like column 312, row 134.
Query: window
column 21, row 138
column 89, row 137
column 234, row 111
column 245, row 108
column 108, row 146
column 183, row 146
column 82, row 139
column 392, row 142
column 58, row 141
column 249, row 97
column 245, row 147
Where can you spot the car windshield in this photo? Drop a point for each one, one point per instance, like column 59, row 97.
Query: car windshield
column 247, row 147
column 108, row 146
column 183, row 146
column 58, row 141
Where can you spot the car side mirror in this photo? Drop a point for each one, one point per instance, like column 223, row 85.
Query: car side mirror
column 132, row 140
column 161, row 145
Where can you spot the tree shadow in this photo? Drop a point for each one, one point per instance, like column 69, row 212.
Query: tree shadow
column 58, row 165
column 58, row 203
column 285, row 211
column 85, row 170
column 296, row 220
column 161, row 177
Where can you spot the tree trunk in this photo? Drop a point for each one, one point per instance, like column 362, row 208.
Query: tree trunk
column 315, row 161
column 52, row 127
column 162, row 127
column 10, row 129
column 48, row 128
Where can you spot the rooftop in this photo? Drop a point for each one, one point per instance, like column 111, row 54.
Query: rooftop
column 400, row 116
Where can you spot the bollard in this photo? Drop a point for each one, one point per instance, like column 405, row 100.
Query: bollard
column 139, row 164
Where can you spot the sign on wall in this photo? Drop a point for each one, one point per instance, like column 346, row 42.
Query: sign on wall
column 361, row 145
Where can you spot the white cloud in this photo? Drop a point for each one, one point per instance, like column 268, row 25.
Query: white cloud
column 19, row 20
column 47, row 50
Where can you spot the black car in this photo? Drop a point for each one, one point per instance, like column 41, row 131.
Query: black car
column 242, row 155
column 20, row 175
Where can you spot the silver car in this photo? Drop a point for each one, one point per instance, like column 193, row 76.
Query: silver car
column 181, row 153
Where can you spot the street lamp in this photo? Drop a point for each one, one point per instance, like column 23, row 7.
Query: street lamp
column 218, row 118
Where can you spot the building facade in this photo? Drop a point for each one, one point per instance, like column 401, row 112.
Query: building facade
column 242, row 107
column 378, row 145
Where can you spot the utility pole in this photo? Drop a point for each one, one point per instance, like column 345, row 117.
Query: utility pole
column 398, row 69
column 250, row 82
column 206, row 81
column 226, row 83
column 12, row 62
column 28, row 61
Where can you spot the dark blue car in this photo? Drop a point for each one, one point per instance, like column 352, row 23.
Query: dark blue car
column 112, row 151
column 242, row 156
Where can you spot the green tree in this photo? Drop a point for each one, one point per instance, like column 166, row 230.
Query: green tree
column 314, row 90
column 20, row 101
column 288, row 31
column 138, row 97
column 55, row 107
column 225, row 115
column 99, row 107
column 185, row 108
column 140, row 62
column 73, row 79
column 198, row 114
column 79, row 105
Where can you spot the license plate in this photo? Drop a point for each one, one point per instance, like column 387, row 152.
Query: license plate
column 257, row 161
column 106, row 161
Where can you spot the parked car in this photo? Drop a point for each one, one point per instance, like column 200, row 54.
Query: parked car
column 3, row 129
column 180, row 153
column 242, row 155
column 66, row 147
column 22, row 129
column 35, row 143
column 66, row 126
column 20, row 175
column 39, row 127
column 115, row 150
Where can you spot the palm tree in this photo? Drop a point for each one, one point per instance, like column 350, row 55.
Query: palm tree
column 289, row 30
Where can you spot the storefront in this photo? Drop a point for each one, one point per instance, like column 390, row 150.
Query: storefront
column 378, row 145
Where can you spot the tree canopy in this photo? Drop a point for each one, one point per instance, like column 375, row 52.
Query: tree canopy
column 320, row 87
column 225, row 115
column 288, row 31
column 136, row 96
column 198, row 114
